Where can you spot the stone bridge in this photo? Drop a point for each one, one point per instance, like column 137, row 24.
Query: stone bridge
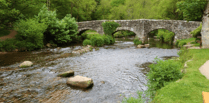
column 142, row 27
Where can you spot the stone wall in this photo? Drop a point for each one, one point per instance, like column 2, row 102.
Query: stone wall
column 205, row 28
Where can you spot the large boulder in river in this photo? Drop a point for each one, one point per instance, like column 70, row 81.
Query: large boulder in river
column 26, row 64
column 66, row 74
column 79, row 81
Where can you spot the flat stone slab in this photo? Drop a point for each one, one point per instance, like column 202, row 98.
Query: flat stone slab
column 80, row 81
column 66, row 74
column 140, row 46
column 26, row 64
column 204, row 69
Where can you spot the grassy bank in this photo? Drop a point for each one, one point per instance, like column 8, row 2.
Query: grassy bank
column 189, row 88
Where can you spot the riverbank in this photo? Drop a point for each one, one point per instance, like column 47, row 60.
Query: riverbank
column 189, row 88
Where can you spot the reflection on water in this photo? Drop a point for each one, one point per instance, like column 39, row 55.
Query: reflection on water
column 159, row 44
column 116, row 70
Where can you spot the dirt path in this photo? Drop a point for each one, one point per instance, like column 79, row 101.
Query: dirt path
column 11, row 35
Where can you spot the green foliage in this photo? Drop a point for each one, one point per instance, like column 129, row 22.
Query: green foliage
column 81, row 10
column 112, row 40
column 7, row 14
column 197, row 32
column 124, row 34
column 97, row 41
column 137, row 41
column 30, row 33
column 89, row 36
column 59, row 31
column 163, row 72
column 109, row 27
column 192, row 9
column 4, row 32
column 84, row 35
column 165, row 35
column 86, row 42
column 184, row 55
column 189, row 88
column 134, row 100
column 181, row 43
column 8, row 45
column 106, row 39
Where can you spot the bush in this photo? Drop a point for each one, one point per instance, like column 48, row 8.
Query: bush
column 162, row 73
column 109, row 27
column 84, row 35
column 30, row 33
column 165, row 35
column 97, row 41
column 137, row 41
column 60, row 31
column 112, row 40
column 86, row 42
column 91, row 35
column 106, row 39
column 197, row 32
column 8, row 45
column 181, row 44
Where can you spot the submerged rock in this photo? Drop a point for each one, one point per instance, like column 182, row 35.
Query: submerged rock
column 83, row 50
column 140, row 46
column 79, row 81
column 66, row 74
column 26, row 64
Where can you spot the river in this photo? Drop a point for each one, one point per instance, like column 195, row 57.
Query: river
column 117, row 70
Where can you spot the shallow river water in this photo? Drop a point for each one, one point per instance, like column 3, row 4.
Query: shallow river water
column 117, row 71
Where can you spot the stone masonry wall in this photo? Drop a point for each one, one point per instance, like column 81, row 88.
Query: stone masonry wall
column 205, row 28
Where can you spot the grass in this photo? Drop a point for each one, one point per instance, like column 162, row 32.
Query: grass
column 4, row 32
column 189, row 88
column 182, row 42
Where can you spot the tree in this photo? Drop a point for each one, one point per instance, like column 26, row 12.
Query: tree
column 80, row 9
column 192, row 9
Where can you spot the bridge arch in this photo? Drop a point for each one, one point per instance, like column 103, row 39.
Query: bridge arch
column 82, row 30
column 157, row 28
column 125, row 29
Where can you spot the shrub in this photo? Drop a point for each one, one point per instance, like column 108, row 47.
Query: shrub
column 8, row 45
column 106, row 39
column 112, row 40
column 30, row 32
column 165, row 35
column 177, row 42
column 181, row 44
column 137, row 41
column 109, row 27
column 97, row 41
column 162, row 73
column 197, row 32
column 91, row 35
column 86, row 42
column 60, row 31
column 184, row 55
column 84, row 35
